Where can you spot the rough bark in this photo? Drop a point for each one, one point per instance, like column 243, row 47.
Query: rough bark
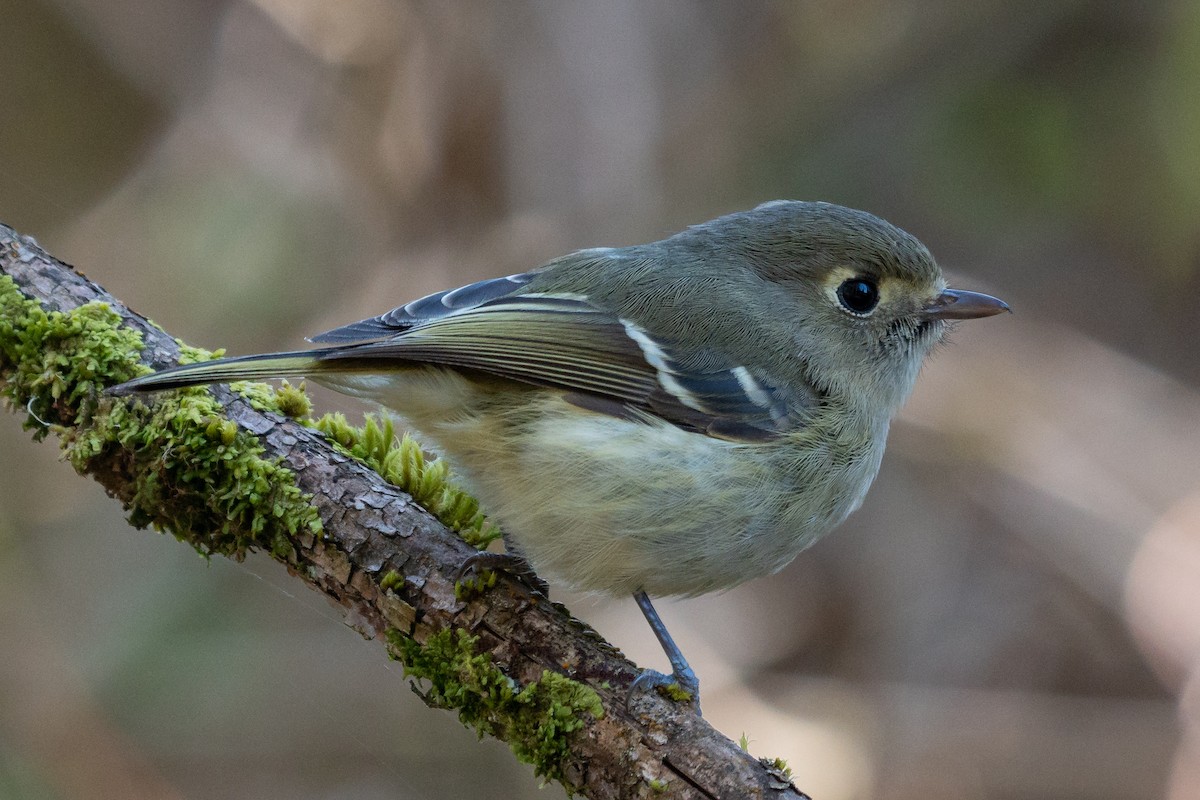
column 652, row 748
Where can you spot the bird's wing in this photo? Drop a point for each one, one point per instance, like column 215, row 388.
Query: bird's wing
column 599, row 360
column 424, row 309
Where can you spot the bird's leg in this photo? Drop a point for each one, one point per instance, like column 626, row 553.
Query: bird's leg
column 681, row 675
column 508, row 563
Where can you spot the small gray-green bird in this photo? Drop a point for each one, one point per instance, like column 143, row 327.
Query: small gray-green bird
column 670, row 418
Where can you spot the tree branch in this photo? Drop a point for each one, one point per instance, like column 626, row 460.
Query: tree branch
column 227, row 473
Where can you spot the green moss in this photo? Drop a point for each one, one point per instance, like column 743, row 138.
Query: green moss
column 778, row 766
column 404, row 464
column 657, row 786
column 260, row 396
column 56, row 364
column 193, row 355
column 293, row 402
column 193, row 471
column 392, row 580
column 474, row 585
column 536, row 720
column 673, row 691
column 203, row 478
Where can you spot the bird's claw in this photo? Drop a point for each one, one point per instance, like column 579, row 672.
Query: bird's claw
column 682, row 687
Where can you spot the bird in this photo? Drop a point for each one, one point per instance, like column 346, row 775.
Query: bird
column 665, row 419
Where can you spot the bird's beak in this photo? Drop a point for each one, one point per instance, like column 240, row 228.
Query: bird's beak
column 959, row 304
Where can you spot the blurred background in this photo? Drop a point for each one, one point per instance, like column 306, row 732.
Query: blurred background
column 1014, row 613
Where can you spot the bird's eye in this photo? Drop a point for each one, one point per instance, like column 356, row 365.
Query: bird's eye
column 859, row 296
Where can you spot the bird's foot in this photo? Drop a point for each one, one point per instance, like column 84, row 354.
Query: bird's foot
column 681, row 686
column 513, row 566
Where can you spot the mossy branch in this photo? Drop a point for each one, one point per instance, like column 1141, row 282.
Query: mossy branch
column 229, row 470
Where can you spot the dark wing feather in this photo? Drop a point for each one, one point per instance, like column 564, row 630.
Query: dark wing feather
column 424, row 309
column 600, row 361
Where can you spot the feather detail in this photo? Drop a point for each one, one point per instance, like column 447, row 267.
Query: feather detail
column 424, row 309
column 224, row 370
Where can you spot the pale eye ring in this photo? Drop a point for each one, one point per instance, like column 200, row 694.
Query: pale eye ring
column 859, row 296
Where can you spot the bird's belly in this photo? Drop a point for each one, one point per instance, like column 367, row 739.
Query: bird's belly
column 608, row 505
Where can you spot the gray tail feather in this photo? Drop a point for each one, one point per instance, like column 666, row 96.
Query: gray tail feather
column 242, row 368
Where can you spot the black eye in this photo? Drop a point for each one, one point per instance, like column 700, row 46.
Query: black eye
column 858, row 295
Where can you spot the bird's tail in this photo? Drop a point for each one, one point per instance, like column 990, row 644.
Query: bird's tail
column 243, row 368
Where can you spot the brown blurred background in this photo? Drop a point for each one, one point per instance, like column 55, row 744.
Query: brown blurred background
column 1015, row 612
